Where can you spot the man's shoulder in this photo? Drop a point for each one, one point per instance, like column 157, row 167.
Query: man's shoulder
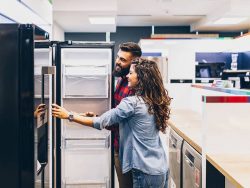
column 121, row 82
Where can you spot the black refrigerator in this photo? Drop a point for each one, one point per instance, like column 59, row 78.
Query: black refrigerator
column 25, row 107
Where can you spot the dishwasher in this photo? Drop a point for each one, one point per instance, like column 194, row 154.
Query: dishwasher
column 175, row 159
column 191, row 167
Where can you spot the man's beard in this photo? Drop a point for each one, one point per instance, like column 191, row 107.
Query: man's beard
column 119, row 71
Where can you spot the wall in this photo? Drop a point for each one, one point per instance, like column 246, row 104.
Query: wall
column 123, row 34
column 58, row 33
column 134, row 34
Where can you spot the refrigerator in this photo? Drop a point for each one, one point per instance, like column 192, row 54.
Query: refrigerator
column 25, row 136
column 84, row 84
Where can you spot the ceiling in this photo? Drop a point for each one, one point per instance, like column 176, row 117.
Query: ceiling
column 200, row 15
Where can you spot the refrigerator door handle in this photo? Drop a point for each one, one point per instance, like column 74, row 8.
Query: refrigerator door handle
column 107, row 142
column 49, row 70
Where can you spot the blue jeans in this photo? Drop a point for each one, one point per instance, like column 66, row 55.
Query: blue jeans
column 142, row 180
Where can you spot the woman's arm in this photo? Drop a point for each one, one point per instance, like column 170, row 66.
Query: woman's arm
column 124, row 110
column 62, row 113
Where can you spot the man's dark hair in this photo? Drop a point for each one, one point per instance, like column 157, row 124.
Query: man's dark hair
column 131, row 47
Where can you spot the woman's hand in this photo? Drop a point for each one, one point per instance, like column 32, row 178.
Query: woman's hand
column 59, row 112
column 40, row 110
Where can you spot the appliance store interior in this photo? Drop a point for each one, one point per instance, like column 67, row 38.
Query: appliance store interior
column 66, row 53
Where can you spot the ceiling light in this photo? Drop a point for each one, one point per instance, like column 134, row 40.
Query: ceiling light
column 17, row 12
column 4, row 19
column 102, row 20
column 230, row 21
column 23, row 15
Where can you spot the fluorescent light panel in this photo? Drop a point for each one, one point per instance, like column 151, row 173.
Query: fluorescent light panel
column 102, row 20
column 4, row 19
column 19, row 13
column 230, row 21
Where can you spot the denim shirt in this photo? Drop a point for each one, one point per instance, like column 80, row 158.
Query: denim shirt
column 140, row 144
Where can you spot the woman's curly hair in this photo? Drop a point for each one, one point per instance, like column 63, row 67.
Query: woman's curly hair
column 150, row 87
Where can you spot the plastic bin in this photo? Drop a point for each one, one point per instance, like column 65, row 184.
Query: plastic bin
column 86, row 162
column 86, row 82
column 38, row 86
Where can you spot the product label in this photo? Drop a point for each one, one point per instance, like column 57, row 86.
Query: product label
column 197, row 176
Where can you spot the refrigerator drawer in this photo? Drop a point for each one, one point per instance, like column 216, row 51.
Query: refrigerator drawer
column 73, row 131
column 76, row 86
column 88, row 165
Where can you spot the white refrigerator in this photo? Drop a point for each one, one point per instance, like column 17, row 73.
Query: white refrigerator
column 85, row 84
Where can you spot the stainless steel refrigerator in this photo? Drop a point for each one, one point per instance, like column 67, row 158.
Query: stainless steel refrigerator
column 25, row 134
column 84, row 83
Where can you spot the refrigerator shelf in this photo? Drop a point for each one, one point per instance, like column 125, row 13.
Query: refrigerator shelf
column 86, row 56
column 85, row 86
column 87, row 184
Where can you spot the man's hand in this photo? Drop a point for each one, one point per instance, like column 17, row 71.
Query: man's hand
column 87, row 114
column 59, row 112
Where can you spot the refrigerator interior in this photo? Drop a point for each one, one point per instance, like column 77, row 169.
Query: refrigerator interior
column 86, row 86
column 43, row 134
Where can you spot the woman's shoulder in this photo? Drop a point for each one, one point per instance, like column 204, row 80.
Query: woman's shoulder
column 133, row 99
column 129, row 99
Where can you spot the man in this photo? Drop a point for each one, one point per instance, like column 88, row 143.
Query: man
column 127, row 52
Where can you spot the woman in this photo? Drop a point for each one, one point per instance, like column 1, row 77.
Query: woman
column 140, row 119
